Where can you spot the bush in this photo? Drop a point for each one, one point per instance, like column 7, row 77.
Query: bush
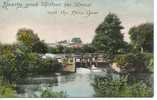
column 120, row 87
column 16, row 64
column 7, row 90
column 36, row 65
column 140, row 62
column 48, row 66
column 45, row 92
column 8, row 63
column 49, row 94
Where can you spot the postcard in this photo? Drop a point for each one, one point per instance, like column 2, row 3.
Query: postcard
column 76, row 48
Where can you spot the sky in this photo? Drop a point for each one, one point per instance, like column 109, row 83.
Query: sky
column 55, row 27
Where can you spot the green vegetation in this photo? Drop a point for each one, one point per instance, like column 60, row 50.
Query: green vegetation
column 7, row 90
column 142, row 37
column 19, row 60
column 108, row 38
column 10, row 64
column 120, row 87
column 139, row 62
column 135, row 57
column 86, row 48
column 24, row 58
column 15, row 64
column 49, row 94
column 31, row 40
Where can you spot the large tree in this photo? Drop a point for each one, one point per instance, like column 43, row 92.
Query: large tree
column 108, row 38
column 12, row 67
column 31, row 40
column 40, row 47
column 27, row 37
column 142, row 37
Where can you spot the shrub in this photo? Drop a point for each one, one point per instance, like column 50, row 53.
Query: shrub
column 140, row 62
column 7, row 90
column 7, row 63
column 120, row 87
column 48, row 66
column 36, row 65
column 16, row 64
column 49, row 94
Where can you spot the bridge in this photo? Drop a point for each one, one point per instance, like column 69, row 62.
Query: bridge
column 86, row 60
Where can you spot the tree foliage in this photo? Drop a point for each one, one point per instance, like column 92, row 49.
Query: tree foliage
column 16, row 63
column 31, row 40
column 27, row 37
column 137, row 62
column 40, row 47
column 142, row 37
column 109, row 38
column 88, row 48
column 7, row 63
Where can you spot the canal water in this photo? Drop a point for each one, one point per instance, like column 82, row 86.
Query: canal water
column 73, row 85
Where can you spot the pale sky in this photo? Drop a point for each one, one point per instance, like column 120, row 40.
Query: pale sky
column 52, row 28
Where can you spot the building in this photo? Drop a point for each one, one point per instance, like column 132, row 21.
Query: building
column 65, row 43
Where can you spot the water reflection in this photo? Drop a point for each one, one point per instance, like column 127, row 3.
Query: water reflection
column 75, row 85
column 79, row 87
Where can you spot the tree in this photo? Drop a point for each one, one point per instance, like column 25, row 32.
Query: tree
column 68, row 50
column 88, row 48
column 40, row 47
column 142, row 37
column 54, row 50
column 108, row 38
column 134, row 62
column 27, row 37
column 60, row 48
column 12, row 63
column 31, row 40
column 7, row 63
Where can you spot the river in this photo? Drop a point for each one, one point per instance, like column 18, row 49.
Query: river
column 74, row 85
